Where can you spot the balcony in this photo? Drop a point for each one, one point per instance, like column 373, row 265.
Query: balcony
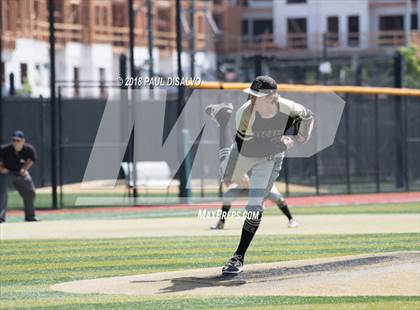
column 315, row 42
column 118, row 37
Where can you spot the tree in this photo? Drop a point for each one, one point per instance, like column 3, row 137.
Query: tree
column 411, row 56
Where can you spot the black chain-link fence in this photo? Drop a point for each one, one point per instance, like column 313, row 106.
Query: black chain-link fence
column 376, row 149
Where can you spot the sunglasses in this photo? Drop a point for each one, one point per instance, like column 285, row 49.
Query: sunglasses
column 16, row 140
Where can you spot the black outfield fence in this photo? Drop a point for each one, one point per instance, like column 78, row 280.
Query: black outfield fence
column 376, row 149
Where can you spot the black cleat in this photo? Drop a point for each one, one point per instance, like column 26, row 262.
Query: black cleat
column 234, row 265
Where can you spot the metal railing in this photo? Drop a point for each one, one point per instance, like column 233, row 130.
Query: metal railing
column 317, row 41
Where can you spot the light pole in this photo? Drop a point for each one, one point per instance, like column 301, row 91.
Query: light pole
column 131, row 26
column 150, row 37
column 192, row 38
column 53, row 104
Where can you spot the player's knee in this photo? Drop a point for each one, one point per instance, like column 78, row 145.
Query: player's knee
column 281, row 203
column 274, row 197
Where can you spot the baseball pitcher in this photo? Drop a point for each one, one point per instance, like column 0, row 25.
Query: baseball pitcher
column 259, row 147
column 221, row 114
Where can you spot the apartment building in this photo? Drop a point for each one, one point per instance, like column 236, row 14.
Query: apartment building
column 90, row 37
column 289, row 26
column 229, row 35
column 308, row 30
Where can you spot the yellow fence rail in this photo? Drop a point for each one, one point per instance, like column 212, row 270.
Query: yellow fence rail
column 362, row 90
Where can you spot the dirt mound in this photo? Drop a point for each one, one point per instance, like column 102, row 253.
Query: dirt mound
column 385, row 274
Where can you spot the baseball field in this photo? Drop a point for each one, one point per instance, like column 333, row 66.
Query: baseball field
column 341, row 257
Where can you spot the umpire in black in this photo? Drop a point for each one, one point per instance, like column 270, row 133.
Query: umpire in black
column 16, row 159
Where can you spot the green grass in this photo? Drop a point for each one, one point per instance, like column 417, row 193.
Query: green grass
column 43, row 200
column 358, row 185
column 411, row 207
column 28, row 268
column 407, row 208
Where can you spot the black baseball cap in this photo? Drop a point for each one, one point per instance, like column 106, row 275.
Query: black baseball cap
column 262, row 86
column 18, row 135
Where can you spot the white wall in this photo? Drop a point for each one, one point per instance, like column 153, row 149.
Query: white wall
column 33, row 53
column 141, row 58
column 102, row 57
column 316, row 13
column 89, row 59
column 205, row 64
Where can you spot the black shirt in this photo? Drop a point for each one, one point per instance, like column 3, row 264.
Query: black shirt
column 13, row 160
column 259, row 137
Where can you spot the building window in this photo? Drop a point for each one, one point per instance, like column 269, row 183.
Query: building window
column 97, row 15
column 59, row 11
column 164, row 20
column 391, row 30
column 75, row 14
column 261, row 26
column 295, row 1
column 296, row 33
column 262, row 30
column 391, row 23
column 101, row 15
column 76, row 80
column 353, row 31
column 7, row 17
column 105, row 16
column 332, row 31
column 36, row 10
column 23, row 73
column 118, row 15
column 414, row 22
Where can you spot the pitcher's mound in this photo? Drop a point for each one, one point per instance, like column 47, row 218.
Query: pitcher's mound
column 380, row 274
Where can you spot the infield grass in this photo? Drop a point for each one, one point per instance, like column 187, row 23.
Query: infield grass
column 29, row 268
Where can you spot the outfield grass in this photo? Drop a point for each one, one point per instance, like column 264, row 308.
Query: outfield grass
column 43, row 200
column 407, row 208
column 28, row 268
